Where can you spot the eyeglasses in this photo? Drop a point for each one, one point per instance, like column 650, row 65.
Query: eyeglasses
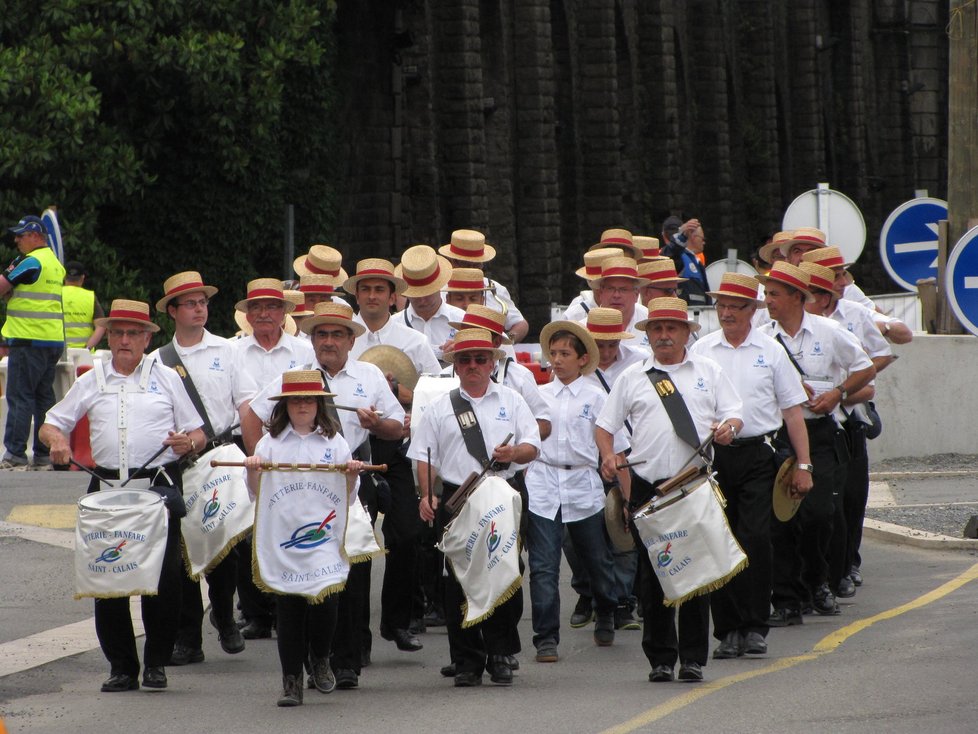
column 270, row 306
column 202, row 302
column 619, row 291
column 335, row 335
column 469, row 359
column 667, row 291
column 731, row 307
column 130, row 333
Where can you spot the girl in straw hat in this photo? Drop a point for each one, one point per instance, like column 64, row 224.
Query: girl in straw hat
column 301, row 430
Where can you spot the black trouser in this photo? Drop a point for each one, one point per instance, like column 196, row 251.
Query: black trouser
column 303, row 627
column 857, row 492
column 495, row 635
column 221, row 582
column 113, row 620
column 661, row 643
column 348, row 640
column 746, row 474
column 256, row 605
column 802, row 545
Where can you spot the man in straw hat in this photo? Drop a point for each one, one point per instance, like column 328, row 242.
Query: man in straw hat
column 660, row 450
column 261, row 357
column 746, row 468
column 832, row 365
column 318, row 288
column 469, row 249
column 135, row 406
column 590, row 272
column 659, row 279
column 209, row 372
column 618, row 288
column 362, row 386
column 426, row 273
column 466, row 286
column 321, row 260
column 565, row 491
column 499, row 411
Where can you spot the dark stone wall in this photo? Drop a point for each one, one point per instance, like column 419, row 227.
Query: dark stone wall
column 543, row 122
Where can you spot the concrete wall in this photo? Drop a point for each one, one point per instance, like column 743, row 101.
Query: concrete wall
column 927, row 398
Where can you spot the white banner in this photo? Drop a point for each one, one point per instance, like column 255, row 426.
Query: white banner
column 361, row 542
column 482, row 545
column 120, row 541
column 690, row 543
column 219, row 510
column 300, row 526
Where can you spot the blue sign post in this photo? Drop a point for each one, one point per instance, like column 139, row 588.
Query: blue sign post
column 962, row 280
column 908, row 241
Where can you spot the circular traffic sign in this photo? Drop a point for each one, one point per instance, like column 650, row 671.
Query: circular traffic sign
column 835, row 214
column 908, row 240
column 961, row 277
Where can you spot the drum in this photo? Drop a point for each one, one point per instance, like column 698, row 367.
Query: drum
column 120, row 541
column 689, row 541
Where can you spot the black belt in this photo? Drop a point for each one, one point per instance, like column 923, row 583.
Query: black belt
column 148, row 473
column 817, row 421
column 752, row 440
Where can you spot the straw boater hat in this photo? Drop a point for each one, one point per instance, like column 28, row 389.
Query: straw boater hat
column 828, row 257
column 424, row 271
column 593, row 356
column 289, row 326
column 134, row 312
column 466, row 280
column 298, row 301
column 374, row 267
column 592, row 262
column 334, row 313
column 620, row 239
column 648, row 245
column 472, row 340
column 468, row 245
column 783, row 504
column 819, row 277
column 326, row 284
column 660, row 270
column 320, row 260
column 478, row 316
column 787, row 274
column 737, row 285
column 300, row 383
column 607, row 324
column 186, row 282
column 777, row 240
column 668, row 309
column 804, row 236
column 264, row 288
column 619, row 267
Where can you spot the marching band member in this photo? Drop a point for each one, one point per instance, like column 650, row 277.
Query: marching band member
column 426, row 273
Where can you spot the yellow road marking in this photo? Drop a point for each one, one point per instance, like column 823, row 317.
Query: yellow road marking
column 826, row 645
column 44, row 516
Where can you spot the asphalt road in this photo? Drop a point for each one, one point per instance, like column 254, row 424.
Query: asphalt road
column 898, row 659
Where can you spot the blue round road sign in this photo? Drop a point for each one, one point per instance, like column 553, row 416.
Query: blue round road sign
column 962, row 280
column 908, row 241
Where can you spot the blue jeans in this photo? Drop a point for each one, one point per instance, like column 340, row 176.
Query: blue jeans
column 544, row 539
column 624, row 569
column 30, row 394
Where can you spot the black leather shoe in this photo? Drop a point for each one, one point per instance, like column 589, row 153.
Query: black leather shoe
column 730, row 647
column 346, row 679
column 661, row 674
column 417, row 627
column 402, row 638
column 604, row 630
column 512, row 662
column 499, row 671
column 183, row 655
column 154, row 677
column 448, row 671
column 583, row 612
column 754, row 644
column 823, row 601
column 256, row 630
column 785, row 617
column 365, row 658
column 690, row 672
column 230, row 637
column 846, row 589
column 118, row 682
column 856, row 575
column 433, row 617
column 467, row 680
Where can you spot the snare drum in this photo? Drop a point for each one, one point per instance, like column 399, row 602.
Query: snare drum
column 120, row 541
column 688, row 540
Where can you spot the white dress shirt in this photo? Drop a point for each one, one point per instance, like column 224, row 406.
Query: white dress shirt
column 861, row 322
column 436, row 329
column 395, row 334
column 290, row 447
column 258, row 366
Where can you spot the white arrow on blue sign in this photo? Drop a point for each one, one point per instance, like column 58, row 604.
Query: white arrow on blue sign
column 908, row 240
column 962, row 280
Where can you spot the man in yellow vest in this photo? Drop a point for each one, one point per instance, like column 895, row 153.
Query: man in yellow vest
column 34, row 333
column 81, row 308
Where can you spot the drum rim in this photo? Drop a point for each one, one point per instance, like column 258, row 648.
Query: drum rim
column 149, row 498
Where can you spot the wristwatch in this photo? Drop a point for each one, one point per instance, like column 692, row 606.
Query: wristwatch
column 806, row 467
column 842, row 390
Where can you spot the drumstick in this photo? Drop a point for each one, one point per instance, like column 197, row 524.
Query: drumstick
column 89, row 471
column 145, row 466
column 297, row 467
column 629, row 464
column 378, row 413
column 431, row 506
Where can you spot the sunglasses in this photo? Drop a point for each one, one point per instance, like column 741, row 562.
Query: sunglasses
column 469, row 359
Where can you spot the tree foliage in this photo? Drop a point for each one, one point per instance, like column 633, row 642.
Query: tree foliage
column 169, row 134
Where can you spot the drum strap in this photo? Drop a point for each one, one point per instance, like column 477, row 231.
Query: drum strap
column 170, row 357
column 501, row 380
column 122, row 410
column 468, row 423
column 676, row 408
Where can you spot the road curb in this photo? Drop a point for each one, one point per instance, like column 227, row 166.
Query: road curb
column 892, row 533
column 882, row 476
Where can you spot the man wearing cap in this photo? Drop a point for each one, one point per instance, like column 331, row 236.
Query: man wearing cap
column 135, row 406
column 499, row 411
column 684, row 247
column 362, row 386
column 318, row 288
column 467, row 286
column 661, row 441
column 34, row 334
column 618, row 288
column 832, row 365
column 81, row 308
column 590, row 272
column 210, row 375
column 469, row 249
column 426, row 273
column 746, row 469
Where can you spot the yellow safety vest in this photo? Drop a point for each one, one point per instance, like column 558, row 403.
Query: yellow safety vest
column 79, row 308
column 34, row 309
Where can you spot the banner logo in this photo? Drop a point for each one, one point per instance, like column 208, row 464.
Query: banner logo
column 311, row 535
column 111, row 555
column 663, row 558
column 492, row 541
column 212, row 506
